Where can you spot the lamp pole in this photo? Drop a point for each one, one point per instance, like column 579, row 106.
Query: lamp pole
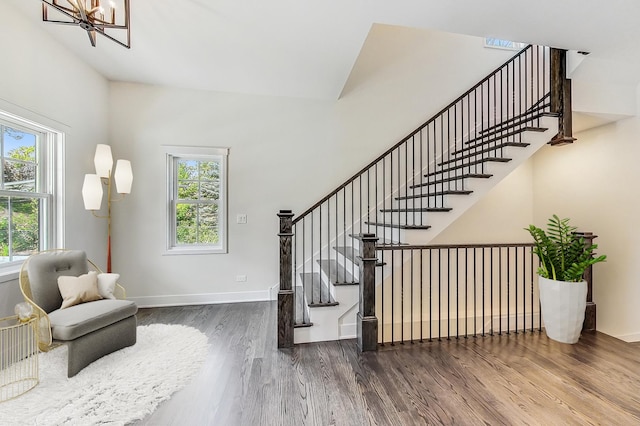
column 92, row 188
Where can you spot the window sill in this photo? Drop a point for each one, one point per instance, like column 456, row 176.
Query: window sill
column 193, row 251
column 9, row 274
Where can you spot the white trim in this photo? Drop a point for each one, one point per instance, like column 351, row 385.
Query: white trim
column 629, row 338
column 53, row 144
column 173, row 152
column 10, row 274
column 516, row 45
column 348, row 331
column 273, row 291
column 200, row 299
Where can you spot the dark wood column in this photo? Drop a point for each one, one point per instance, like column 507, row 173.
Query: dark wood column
column 561, row 97
column 367, row 321
column 285, row 294
column 590, row 312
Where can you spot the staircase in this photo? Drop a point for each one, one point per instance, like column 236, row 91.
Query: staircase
column 417, row 188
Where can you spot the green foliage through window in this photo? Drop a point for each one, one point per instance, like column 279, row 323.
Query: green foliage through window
column 198, row 193
column 20, row 205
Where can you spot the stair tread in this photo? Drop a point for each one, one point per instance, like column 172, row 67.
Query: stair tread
column 469, row 164
column 400, row 226
column 483, row 140
column 316, row 291
column 518, row 121
column 352, row 254
column 452, row 178
column 482, row 151
column 338, row 274
column 382, row 242
column 435, row 194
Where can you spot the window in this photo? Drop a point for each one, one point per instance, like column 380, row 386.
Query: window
column 197, row 188
column 498, row 43
column 28, row 204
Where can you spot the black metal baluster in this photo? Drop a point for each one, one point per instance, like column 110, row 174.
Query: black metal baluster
column 430, row 296
column 475, row 296
column 393, row 295
column 406, row 180
column 508, row 290
column 439, row 294
column 500, row 290
column 516, row 285
column 328, row 220
column 382, row 293
column 401, row 294
column 421, row 298
column 532, row 290
column 483, row 293
column 448, row 294
column 458, row 292
column 353, row 228
column 491, row 290
column 411, row 310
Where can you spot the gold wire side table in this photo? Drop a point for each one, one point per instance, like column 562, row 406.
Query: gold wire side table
column 18, row 356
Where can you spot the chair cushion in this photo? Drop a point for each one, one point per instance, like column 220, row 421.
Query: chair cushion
column 78, row 320
column 45, row 268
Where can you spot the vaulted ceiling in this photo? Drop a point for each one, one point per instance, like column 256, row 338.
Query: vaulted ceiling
column 308, row 48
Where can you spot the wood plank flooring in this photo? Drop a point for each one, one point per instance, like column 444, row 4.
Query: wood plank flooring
column 521, row 379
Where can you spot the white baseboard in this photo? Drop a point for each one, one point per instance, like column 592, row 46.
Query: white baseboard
column 273, row 291
column 629, row 338
column 200, row 299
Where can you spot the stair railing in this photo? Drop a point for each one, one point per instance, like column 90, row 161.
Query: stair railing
column 460, row 290
column 395, row 191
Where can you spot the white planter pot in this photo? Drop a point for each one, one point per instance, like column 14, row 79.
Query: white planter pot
column 563, row 306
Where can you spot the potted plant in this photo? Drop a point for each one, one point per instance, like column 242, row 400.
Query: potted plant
column 563, row 291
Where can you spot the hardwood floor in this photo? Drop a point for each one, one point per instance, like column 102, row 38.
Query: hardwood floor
column 510, row 380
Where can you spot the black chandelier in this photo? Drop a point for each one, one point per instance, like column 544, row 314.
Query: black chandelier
column 91, row 16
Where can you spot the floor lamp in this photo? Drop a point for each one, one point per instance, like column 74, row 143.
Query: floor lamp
column 92, row 192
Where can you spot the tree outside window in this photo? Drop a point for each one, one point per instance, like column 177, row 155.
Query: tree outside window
column 197, row 188
column 22, row 199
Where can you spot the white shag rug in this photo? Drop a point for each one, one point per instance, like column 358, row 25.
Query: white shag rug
column 117, row 389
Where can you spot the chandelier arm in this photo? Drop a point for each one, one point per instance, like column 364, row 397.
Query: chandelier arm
column 92, row 36
column 61, row 9
column 127, row 44
column 65, row 23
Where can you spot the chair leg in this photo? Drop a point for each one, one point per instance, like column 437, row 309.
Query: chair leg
column 90, row 347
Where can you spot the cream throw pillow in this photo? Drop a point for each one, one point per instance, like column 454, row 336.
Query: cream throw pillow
column 107, row 285
column 76, row 290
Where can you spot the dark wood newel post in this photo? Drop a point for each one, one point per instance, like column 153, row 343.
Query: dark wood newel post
column 285, row 294
column 561, row 97
column 590, row 313
column 367, row 321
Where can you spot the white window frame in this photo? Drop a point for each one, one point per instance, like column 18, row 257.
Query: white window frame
column 498, row 43
column 51, row 176
column 174, row 153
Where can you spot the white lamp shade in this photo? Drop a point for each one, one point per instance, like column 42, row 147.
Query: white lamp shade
column 92, row 192
column 103, row 160
column 123, row 177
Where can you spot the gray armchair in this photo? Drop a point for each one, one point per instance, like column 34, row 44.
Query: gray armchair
column 91, row 330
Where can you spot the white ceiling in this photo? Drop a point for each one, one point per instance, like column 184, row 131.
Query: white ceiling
column 307, row 48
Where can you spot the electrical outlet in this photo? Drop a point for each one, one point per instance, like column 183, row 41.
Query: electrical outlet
column 241, row 218
column 241, row 278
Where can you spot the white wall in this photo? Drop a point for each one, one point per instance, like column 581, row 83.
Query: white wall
column 500, row 216
column 593, row 182
column 42, row 81
column 284, row 153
